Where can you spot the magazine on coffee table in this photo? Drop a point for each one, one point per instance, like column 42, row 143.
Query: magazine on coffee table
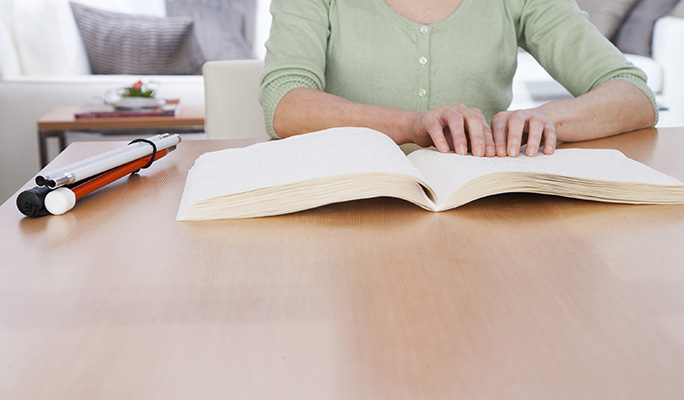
column 164, row 108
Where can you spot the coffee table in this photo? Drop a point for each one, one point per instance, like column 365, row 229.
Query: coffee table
column 60, row 120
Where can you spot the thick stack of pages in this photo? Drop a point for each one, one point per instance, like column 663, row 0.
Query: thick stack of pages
column 343, row 164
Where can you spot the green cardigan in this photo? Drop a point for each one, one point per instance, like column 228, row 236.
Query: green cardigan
column 363, row 51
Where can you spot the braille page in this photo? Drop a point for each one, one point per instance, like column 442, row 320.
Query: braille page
column 330, row 153
column 597, row 174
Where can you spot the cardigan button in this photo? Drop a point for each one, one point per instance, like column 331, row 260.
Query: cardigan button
column 422, row 93
column 423, row 60
column 424, row 29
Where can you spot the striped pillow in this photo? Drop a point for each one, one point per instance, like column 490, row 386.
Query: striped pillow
column 606, row 15
column 678, row 11
column 636, row 33
column 135, row 44
column 224, row 29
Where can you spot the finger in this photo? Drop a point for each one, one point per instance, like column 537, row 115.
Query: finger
column 490, row 149
column 456, row 123
column 535, row 130
column 550, row 138
column 499, row 133
column 516, row 127
column 436, row 131
column 474, row 123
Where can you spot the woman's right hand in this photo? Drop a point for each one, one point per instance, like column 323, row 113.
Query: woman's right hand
column 453, row 127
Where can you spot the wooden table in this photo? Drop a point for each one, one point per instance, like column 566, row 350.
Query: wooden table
column 508, row 297
column 61, row 119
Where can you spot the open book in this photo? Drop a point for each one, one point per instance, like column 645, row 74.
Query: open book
column 343, row 164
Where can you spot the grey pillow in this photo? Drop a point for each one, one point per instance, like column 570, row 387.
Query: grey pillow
column 636, row 32
column 607, row 15
column 678, row 11
column 135, row 44
column 224, row 29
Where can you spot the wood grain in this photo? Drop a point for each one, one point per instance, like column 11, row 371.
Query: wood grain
column 510, row 297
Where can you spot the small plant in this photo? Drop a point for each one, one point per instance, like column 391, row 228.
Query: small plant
column 138, row 89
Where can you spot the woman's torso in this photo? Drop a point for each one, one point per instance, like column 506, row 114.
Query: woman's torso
column 377, row 56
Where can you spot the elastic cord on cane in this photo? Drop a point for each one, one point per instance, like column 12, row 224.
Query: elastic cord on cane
column 154, row 152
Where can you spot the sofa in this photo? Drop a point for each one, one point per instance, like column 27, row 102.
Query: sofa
column 43, row 64
column 648, row 32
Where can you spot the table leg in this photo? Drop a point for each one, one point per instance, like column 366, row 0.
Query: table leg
column 42, row 144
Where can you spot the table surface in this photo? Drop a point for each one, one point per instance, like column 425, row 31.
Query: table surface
column 515, row 296
column 62, row 118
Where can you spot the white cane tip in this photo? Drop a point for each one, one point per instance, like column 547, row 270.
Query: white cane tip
column 60, row 200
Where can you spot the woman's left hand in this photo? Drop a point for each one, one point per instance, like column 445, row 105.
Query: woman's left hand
column 512, row 129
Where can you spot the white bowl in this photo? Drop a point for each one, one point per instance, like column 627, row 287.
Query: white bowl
column 138, row 102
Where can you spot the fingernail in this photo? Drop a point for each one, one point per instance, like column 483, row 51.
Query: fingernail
column 478, row 151
column 462, row 150
column 513, row 151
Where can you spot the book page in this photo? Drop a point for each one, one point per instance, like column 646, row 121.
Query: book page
column 311, row 157
column 448, row 173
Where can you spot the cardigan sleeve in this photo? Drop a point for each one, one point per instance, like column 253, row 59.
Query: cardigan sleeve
column 295, row 52
column 558, row 34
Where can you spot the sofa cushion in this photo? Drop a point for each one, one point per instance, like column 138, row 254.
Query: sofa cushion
column 636, row 32
column 9, row 62
column 224, row 29
column 136, row 44
column 607, row 15
column 46, row 39
column 153, row 8
column 678, row 11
